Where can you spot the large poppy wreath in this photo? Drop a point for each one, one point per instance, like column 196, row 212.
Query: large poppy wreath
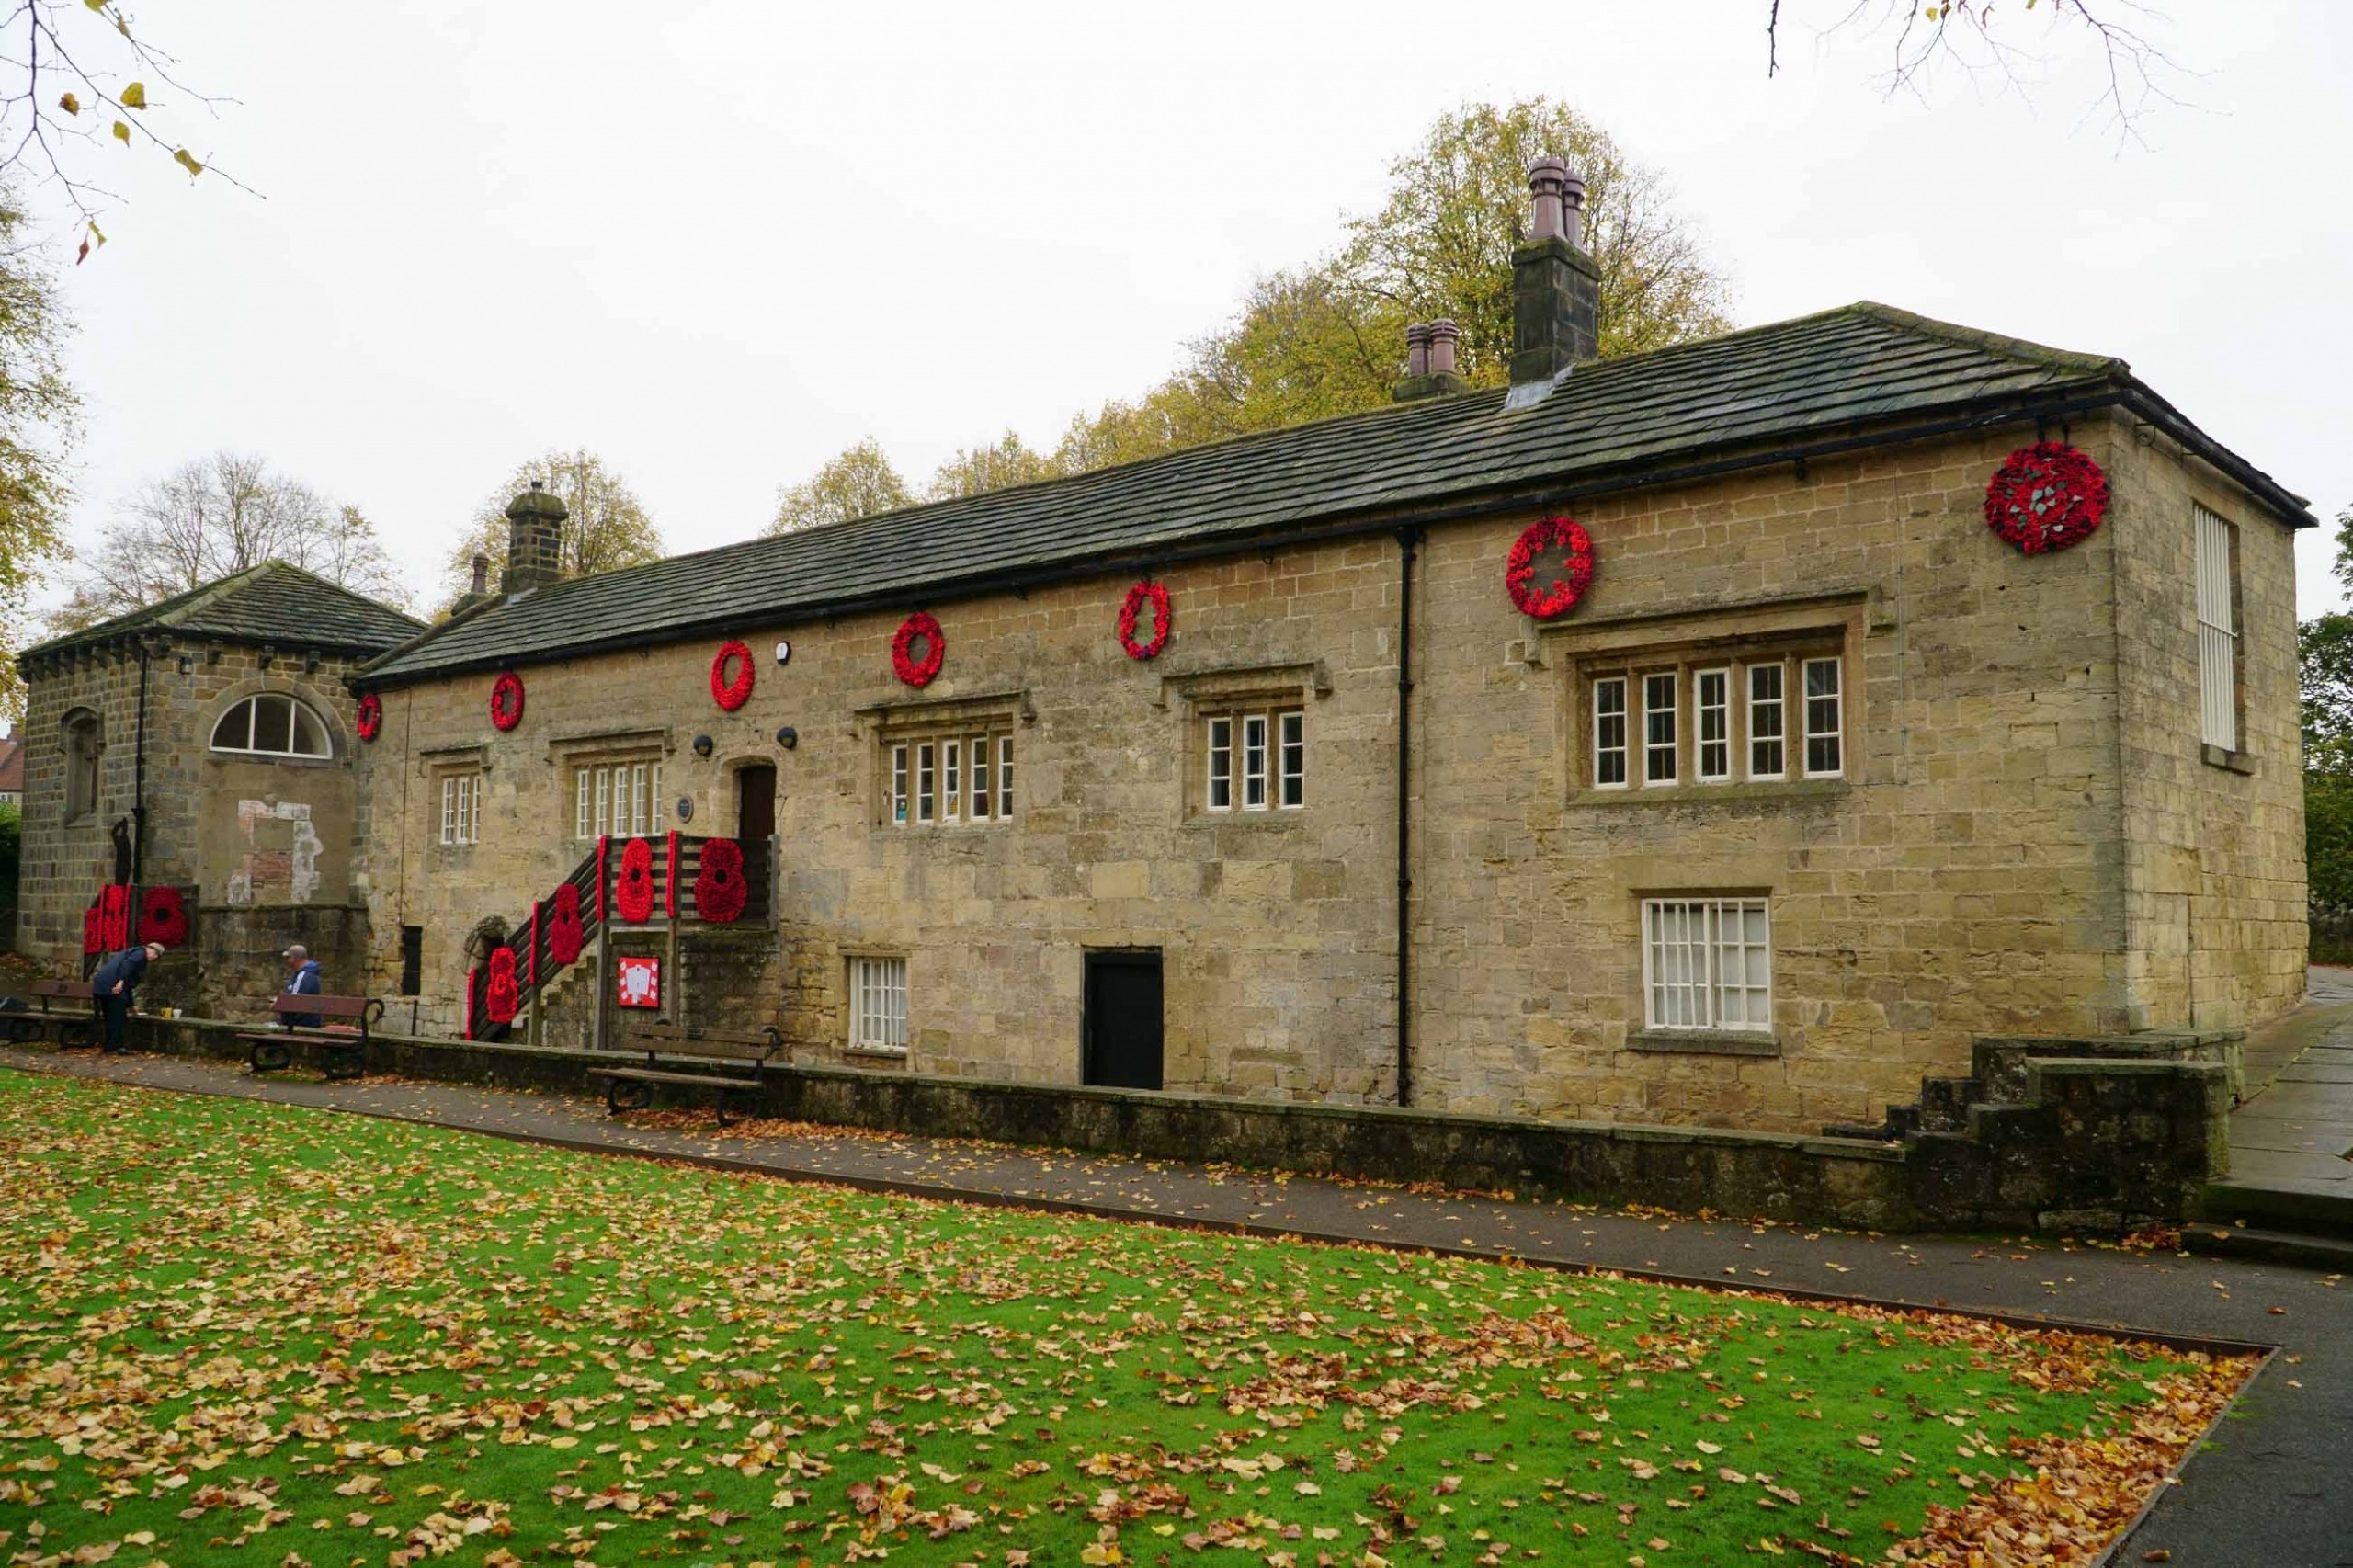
column 506, row 701
column 163, row 916
column 371, row 717
column 565, row 938
column 731, row 694
column 503, row 998
column 2046, row 497
column 1566, row 535
column 719, row 888
column 1131, row 608
column 918, row 627
column 633, row 890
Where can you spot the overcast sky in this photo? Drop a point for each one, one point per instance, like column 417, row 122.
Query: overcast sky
column 717, row 243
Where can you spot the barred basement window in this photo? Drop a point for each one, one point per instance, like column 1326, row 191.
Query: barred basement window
column 1767, row 757
column 1823, row 722
column 877, row 1003
column 461, row 808
column 1609, row 734
column 2218, row 640
column 1706, row 964
column 1659, row 739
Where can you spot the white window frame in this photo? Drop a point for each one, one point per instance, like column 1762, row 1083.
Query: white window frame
column 1256, row 794
column 963, row 778
column 460, row 808
column 1219, row 782
column 898, row 786
column 1671, row 748
column 1836, row 735
column 1291, row 757
column 297, row 710
column 926, row 781
column 877, row 1004
column 1005, row 777
column 1603, row 747
column 983, row 780
column 1720, row 711
column 951, row 780
column 1686, row 951
column 584, row 826
column 1777, row 706
column 2218, row 637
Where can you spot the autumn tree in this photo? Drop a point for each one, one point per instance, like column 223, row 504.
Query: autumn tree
column 607, row 528
column 857, row 481
column 37, row 426
column 215, row 517
column 973, row 469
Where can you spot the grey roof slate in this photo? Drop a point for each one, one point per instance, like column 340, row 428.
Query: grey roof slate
column 269, row 603
column 1813, row 378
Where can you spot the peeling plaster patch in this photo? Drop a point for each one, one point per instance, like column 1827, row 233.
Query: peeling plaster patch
column 275, row 859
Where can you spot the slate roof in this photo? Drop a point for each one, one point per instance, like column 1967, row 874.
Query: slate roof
column 1822, row 382
column 269, row 603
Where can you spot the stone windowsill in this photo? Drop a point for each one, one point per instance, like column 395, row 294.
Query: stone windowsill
column 1272, row 816
column 1706, row 1042
column 878, row 1052
column 1716, row 794
column 2223, row 757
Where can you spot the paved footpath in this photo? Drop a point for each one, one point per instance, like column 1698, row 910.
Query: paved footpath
column 2274, row 1489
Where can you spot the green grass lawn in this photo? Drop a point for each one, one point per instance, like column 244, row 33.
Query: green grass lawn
column 242, row 1332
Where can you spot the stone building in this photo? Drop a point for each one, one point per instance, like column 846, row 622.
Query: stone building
column 205, row 742
column 1804, row 777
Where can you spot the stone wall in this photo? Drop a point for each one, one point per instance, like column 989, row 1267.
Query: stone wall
column 1971, row 869
column 264, row 847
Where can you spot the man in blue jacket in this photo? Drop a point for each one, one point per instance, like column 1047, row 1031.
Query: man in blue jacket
column 114, row 986
column 303, row 981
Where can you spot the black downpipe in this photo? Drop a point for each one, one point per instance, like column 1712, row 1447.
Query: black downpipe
column 1406, row 540
column 139, row 778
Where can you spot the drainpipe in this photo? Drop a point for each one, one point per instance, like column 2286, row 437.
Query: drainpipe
column 139, row 778
column 1407, row 539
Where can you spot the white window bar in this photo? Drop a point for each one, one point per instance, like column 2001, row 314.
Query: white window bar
column 448, row 811
column 1824, row 754
column 605, row 823
column 951, row 780
column 925, row 782
column 582, row 827
column 1712, row 702
column 1609, row 734
column 1004, row 777
column 1221, row 752
column 653, row 800
column 2217, row 641
column 1291, row 730
column 1659, row 728
column 899, row 786
column 1706, row 964
column 1768, row 723
column 984, row 788
column 640, row 808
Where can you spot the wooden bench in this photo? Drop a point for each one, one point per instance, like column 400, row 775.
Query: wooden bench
column 343, row 1048
column 631, row 1088
column 75, row 1026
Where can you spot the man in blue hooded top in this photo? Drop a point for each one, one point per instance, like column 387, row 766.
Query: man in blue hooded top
column 303, row 981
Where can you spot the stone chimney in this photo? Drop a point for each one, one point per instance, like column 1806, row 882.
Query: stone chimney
column 1429, row 363
column 482, row 574
column 1555, row 286
column 534, row 540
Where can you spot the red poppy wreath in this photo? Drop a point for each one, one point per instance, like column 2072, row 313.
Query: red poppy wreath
column 1131, row 608
column 371, row 717
column 719, row 888
column 1564, row 534
column 163, row 916
column 633, row 891
column 2046, row 497
column 732, row 693
column 506, row 701
column 918, row 627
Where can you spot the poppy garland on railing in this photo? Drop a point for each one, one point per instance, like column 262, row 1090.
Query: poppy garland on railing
column 506, row 701
column 1566, row 535
column 731, row 692
column 371, row 717
column 720, row 891
column 565, row 938
column 2046, row 497
column 503, row 998
column 1131, row 608
column 919, row 672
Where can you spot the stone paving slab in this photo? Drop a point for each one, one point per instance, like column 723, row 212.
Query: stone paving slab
column 2271, row 1491
column 2290, row 1137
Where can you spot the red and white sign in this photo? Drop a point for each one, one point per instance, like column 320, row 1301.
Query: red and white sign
column 640, row 982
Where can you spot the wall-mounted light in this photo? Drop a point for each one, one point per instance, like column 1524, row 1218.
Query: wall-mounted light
column 783, row 652
column 686, row 808
column 787, row 738
column 703, row 745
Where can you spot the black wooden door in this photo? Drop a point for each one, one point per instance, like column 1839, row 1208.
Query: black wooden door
column 1122, row 1024
column 755, row 802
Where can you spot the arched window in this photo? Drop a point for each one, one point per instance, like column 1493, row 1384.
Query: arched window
column 271, row 725
column 84, row 739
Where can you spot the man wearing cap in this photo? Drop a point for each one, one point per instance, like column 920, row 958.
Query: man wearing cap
column 303, row 981
column 113, row 988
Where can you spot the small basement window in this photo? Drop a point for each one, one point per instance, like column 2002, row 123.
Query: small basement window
column 877, row 1003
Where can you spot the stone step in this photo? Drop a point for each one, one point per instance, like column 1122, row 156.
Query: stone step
column 2333, row 1254
column 1879, row 1134
column 2306, row 1207
column 1945, row 1102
